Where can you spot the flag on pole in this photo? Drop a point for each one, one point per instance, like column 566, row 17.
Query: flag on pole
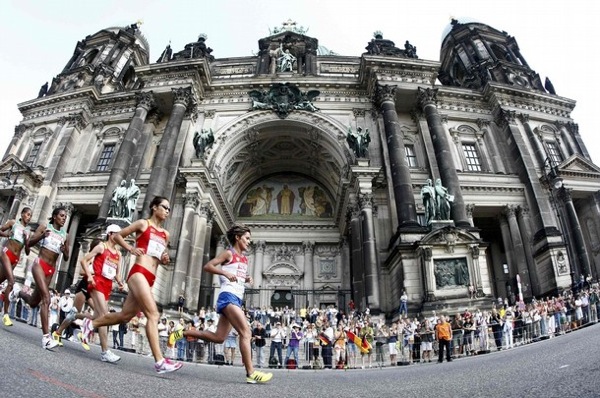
column 362, row 344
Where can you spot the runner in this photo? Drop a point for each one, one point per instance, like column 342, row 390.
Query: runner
column 106, row 267
column 150, row 250
column 54, row 241
column 18, row 234
column 233, row 274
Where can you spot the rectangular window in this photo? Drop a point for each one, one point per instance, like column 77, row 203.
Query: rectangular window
column 411, row 157
column 554, row 153
column 105, row 157
column 472, row 157
column 33, row 154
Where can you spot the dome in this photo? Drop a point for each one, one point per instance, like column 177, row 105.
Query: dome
column 462, row 21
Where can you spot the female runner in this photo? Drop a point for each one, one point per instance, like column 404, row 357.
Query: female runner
column 150, row 250
column 17, row 233
column 232, row 274
column 54, row 241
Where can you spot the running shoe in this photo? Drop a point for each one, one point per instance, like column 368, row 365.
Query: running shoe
column 166, row 365
column 48, row 342
column 14, row 293
column 176, row 335
column 258, row 377
column 6, row 320
column 57, row 338
column 85, row 345
column 71, row 315
column 87, row 330
column 109, row 357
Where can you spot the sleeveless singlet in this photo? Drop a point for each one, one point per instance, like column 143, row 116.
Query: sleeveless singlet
column 239, row 267
column 18, row 232
column 54, row 240
column 152, row 241
column 106, row 263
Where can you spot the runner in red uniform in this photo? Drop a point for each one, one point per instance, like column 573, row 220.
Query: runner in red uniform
column 150, row 251
column 106, row 267
column 18, row 234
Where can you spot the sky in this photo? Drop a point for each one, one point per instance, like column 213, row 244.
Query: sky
column 555, row 37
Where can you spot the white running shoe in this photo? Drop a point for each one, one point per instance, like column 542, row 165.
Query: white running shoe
column 109, row 357
column 167, row 366
column 48, row 342
column 86, row 330
column 14, row 293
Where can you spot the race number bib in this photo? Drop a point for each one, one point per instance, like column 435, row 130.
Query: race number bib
column 156, row 247
column 109, row 270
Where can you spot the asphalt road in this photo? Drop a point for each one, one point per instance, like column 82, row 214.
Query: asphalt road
column 566, row 366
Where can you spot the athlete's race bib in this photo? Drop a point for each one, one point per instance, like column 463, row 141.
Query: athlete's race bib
column 109, row 269
column 156, row 246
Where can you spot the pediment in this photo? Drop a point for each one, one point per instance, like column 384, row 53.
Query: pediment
column 578, row 165
column 449, row 235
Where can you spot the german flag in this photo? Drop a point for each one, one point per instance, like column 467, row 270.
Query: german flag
column 324, row 339
column 363, row 344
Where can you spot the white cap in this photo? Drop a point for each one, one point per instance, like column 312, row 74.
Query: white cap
column 67, row 291
column 113, row 228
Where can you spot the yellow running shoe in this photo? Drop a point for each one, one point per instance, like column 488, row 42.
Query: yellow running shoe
column 176, row 335
column 258, row 377
column 57, row 338
column 6, row 320
column 85, row 345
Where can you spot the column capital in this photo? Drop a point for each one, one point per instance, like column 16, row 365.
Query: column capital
column 365, row 200
column 68, row 206
column 209, row 113
column 470, row 207
column 385, row 93
column 426, row 96
column 20, row 129
column 182, row 95
column 483, row 123
column 205, row 210
column 523, row 211
column 564, row 194
column 523, row 117
column 509, row 211
column 504, row 117
column 474, row 249
column 77, row 120
column 308, row 247
column 98, row 126
column 358, row 112
column 191, row 199
column 145, row 100
column 20, row 193
column 259, row 246
column 573, row 127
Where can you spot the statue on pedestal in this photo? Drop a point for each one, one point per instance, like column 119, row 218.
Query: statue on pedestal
column 118, row 202
column 429, row 202
column 443, row 199
column 133, row 193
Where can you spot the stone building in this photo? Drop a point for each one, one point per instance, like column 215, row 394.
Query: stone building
column 360, row 176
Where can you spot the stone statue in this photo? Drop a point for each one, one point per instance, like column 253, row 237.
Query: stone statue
column 359, row 141
column 286, row 61
column 202, row 141
column 443, row 199
column 166, row 54
column 428, row 198
column 547, row 85
column 43, row 90
column 132, row 194
column 409, row 50
column 118, row 202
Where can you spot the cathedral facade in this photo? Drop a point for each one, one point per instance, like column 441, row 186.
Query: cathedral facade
column 362, row 177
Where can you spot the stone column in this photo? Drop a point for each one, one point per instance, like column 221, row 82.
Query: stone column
column 495, row 155
column 575, row 232
column 166, row 149
column 535, row 139
column 19, row 194
column 475, row 275
column 574, row 129
column 426, row 258
column 404, row 197
column 122, row 163
column 194, row 270
column 309, row 281
column 60, row 159
column 443, row 155
column 358, row 272
column 518, row 250
column 508, row 250
column 49, row 142
column 259, row 250
column 564, row 132
column 345, row 251
column 369, row 253
column 524, row 227
column 14, row 142
column 191, row 200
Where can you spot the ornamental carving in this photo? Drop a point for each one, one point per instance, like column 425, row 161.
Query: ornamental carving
column 365, row 201
column 385, row 93
column 182, row 95
column 283, row 99
column 145, row 100
column 284, row 253
column 427, row 96
column 191, row 199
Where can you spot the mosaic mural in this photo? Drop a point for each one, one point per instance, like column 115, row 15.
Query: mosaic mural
column 286, row 197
